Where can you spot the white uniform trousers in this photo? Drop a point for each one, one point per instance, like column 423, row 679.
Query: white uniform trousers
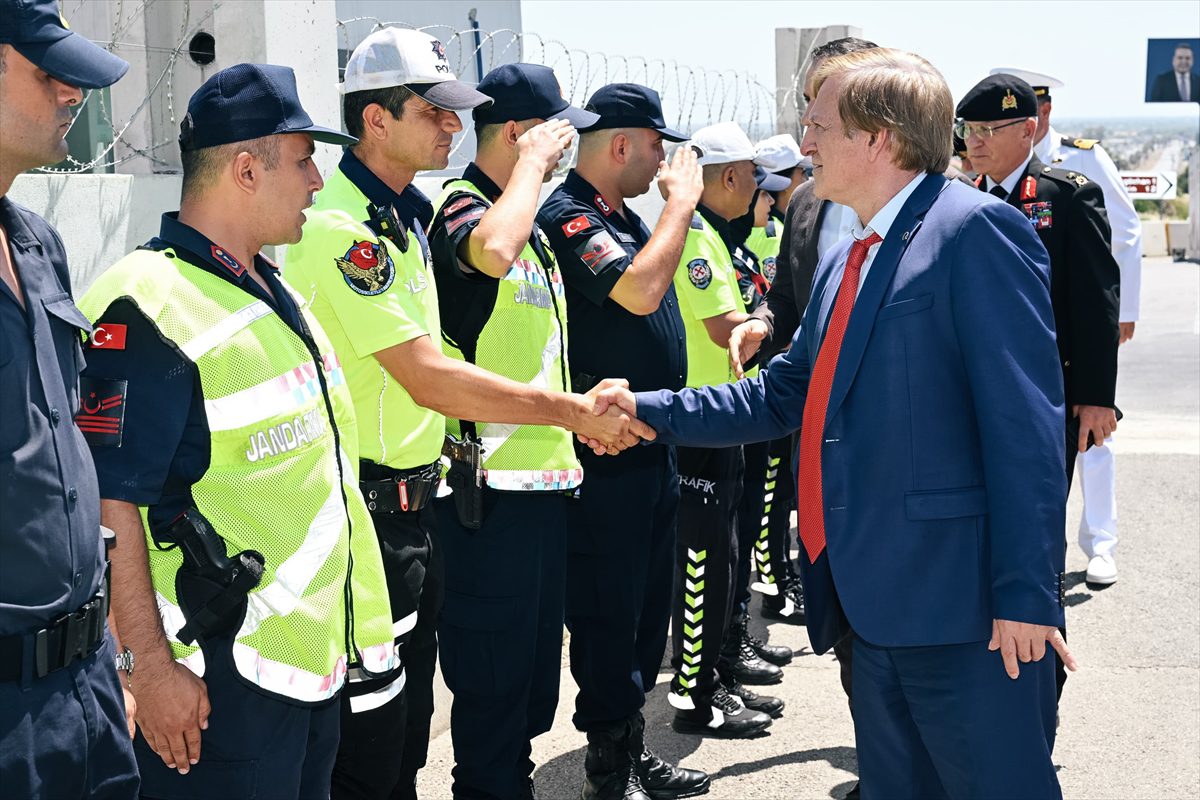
column 1098, row 480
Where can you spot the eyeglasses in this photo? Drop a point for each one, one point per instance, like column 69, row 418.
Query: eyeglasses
column 965, row 131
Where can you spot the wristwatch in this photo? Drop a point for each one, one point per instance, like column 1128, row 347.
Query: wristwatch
column 124, row 662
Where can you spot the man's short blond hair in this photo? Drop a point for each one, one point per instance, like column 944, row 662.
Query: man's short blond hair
column 902, row 92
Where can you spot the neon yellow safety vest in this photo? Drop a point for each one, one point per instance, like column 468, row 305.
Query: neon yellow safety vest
column 765, row 243
column 281, row 480
column 370, row 296
column 524, row 339
column 707, row 285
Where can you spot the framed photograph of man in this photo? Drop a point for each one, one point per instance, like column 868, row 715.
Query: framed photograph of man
column 1171, row 71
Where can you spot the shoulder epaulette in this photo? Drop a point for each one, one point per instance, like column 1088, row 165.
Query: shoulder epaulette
column 697, row 222
column 1079, row 144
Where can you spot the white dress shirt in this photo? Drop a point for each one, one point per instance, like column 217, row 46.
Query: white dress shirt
column 1099, row 168
column 881, row 223
column 1010, row 183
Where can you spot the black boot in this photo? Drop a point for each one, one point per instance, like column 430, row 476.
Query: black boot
column 771, row 706
column 661, row 779
column 723, row 717
column 787, row 606
column 608, row 767
column 739, row 660
column 776, row 654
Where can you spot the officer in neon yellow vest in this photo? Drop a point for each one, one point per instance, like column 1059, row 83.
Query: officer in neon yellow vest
column 706, row 702
column 503, row 308
column 216, row 403
column 365, row 264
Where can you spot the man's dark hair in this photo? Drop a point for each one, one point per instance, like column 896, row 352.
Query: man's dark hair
column 201, row 167
column 1184, row 46
column 393, row 99
column 840, row 47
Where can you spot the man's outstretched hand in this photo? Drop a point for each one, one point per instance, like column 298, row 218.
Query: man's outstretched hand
column 612, row 400
column 1024, row 642
column 744, row 341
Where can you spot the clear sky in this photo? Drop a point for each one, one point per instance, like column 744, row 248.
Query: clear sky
column 1096, row 47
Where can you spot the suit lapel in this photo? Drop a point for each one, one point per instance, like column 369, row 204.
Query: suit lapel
column 879, row 278
column 809, row 213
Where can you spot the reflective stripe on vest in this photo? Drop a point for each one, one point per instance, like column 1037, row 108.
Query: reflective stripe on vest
column 527, row 326
column 277, row 481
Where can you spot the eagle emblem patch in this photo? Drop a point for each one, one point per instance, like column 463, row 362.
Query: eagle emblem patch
column 367, row 268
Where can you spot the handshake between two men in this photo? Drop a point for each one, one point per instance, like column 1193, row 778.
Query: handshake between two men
column 613, row 425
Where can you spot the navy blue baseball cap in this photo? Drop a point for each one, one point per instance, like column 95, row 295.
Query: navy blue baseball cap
column 527, row 91
column 37, row 30
column 249, row 101
column 629, row 105
column 769, row 181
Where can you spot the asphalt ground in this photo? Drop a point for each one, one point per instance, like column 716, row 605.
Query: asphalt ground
column 1130, row 718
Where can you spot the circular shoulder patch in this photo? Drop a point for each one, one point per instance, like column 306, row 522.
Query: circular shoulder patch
column 768, row 269
column 367, row 268
column 699, row 273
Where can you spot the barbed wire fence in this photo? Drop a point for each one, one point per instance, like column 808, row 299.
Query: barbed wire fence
column 692, row 96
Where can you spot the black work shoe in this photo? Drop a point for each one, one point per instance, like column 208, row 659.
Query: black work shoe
column 610, row 772
column 855, row 792
column 771, row 706
column 740, row 661
column 787, row 606
column 665, row 781
column 661, row 779
column 722, row 717
column 775, row 654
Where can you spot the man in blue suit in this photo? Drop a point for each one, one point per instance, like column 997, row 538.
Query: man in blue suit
column 931, row 490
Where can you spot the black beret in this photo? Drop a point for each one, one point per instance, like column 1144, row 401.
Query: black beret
column 998, row 97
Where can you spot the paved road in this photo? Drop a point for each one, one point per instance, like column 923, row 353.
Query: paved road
column 1130, row 718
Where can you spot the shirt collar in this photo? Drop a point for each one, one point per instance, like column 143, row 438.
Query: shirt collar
column 410, row 204
column 13, row 218
column 480, row 180
column 578, row 187
column 1010, row 183
column 881, row 223
column 213, row 256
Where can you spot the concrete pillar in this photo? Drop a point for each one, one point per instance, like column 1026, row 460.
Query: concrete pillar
column 792, row 47
column 1193, row 246
column 301, row 34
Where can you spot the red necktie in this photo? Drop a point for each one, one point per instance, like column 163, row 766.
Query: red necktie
column 810, row 502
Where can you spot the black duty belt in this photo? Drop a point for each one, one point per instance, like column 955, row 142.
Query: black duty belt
column 391, row 490
column 72, row 636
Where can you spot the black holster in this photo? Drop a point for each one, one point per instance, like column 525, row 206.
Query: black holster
column 227, row 581
column 465, row 478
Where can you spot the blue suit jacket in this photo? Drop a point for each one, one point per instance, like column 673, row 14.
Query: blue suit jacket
column 943, row 456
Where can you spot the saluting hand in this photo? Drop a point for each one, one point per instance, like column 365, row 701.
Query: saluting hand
column 543, row 145
column 681, row 181
column 744, row 341
column 172, row 708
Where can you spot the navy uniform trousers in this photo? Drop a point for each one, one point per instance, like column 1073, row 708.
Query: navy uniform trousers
column 255, row 746
column 619, row 576
column 750, row 521
column 500, row 635
column 64, row 735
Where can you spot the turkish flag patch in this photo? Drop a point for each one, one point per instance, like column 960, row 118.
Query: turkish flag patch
column 101, row 415
column 107, row 336
column 576, row 225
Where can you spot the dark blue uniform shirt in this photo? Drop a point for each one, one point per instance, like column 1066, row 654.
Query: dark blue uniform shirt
column 163, row 447
column 595, row 245
column 51, row 554
column 412, row 206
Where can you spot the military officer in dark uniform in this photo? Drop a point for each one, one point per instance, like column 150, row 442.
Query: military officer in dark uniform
column 63, row 726
column 997, row 120
column 623, row 321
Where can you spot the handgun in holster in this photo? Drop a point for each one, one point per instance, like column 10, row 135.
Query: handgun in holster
column 204, row 557
column 582, row 383
column 466, row 479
